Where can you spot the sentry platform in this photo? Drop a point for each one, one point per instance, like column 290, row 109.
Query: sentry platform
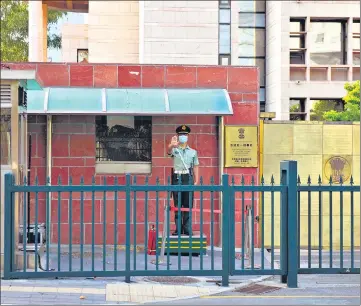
column 196, row 245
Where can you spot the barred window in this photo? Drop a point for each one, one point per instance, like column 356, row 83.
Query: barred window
column 5, row 133
column 123, row 138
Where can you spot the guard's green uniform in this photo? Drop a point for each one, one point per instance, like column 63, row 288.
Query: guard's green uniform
column 183, row 174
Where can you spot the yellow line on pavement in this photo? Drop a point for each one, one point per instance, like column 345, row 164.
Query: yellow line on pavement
column 53, row 289
column 277, row 296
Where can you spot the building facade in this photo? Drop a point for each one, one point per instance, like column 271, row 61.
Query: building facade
column 71, row 140
column 306, row 50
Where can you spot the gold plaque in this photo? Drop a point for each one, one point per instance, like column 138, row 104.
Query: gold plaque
column 335, row 167
column 241, row 146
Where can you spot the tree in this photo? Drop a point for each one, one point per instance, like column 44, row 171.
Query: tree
column 15, row 27
column 323, row 106
column 352, row 105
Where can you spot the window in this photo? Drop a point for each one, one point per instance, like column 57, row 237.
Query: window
column 224, row 59
column 5, row 133
column 252, row 42
column 224, row 42
column 327, row 42
column 356, row 42
column 297, row 109
column 224, row 39
column 297, row 57
column 262, row 94
column 297, row 41
column 82, row 55
column 224, row 4
column 123, row 139
column 252, row 6
column 252, row 20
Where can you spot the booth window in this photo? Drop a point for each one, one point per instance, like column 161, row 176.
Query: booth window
column 123, row 139
column 5, row 130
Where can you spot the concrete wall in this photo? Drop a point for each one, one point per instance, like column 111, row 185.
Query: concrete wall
column 280, row 85
column 73, row 143
column 312, row 144
column 113, row 31
column 74, row 37
column 180, row 32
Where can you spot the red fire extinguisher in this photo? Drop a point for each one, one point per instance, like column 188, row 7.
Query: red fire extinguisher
column 152, row 243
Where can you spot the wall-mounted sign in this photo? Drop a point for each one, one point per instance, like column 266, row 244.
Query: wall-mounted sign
column 241, row 146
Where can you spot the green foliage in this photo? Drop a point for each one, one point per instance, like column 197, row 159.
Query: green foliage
column 321, row 107
column 14, row 30
column 352, row 105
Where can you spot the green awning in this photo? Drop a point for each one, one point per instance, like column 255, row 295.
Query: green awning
column 135, row 101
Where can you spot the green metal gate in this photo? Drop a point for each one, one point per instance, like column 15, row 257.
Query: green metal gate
column 100, row 251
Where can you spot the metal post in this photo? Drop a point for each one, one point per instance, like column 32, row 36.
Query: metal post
column 225, row 230
column 8, row 221
column 289, row 178
column 127, row 229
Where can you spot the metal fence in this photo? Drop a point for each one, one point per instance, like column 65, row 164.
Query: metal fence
column 325, row 255
column 113, row 240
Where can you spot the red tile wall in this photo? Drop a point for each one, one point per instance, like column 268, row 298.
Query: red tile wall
column 73, row 144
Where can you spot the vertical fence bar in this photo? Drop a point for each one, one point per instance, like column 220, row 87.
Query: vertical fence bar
column 59, row 225
column 201, row 223
column 47, row 200
column 156, row 225
column 243, row 225
column 115, row 226
column 8, row 225
column 190, row 201
column 146, row 224
column 330, row 229
column 352, row 224
column 179, row 227
column 289, row 176
column 272, row 225
column 225, row 230
column 70, row 225
column 13, row 242
column 134, row 226
column 262, row 224
column 299, row 221
column 81, row 224
column 232, row 222
column 252, row 225
column 25, row 235
column 319, row 224
column 284, row 226
column 127, row 230
column 93, row 224
column 212, row 225
column 341, row 226
column 309, row 221
column 104, row 224
column 168, row 224
column 36, row 233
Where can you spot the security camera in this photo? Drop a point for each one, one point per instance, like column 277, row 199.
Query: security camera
column 298, row 82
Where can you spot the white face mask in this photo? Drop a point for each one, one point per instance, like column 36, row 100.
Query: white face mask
column 183, row 138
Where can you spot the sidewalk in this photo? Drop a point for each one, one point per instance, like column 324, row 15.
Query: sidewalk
column 115, row 290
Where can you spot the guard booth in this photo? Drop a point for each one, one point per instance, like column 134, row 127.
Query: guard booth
column 15, row 85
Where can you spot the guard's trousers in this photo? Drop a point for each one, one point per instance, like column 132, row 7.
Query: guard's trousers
column 184, row 200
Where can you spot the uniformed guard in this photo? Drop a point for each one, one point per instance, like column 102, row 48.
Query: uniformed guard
column 185, row 169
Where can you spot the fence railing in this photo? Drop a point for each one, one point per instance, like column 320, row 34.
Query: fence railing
column 332, row 209
column 104, row 229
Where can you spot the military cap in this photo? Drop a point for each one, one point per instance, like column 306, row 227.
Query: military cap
column 183, row 129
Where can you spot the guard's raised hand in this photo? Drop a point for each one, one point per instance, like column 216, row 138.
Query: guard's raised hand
column 174, row 141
